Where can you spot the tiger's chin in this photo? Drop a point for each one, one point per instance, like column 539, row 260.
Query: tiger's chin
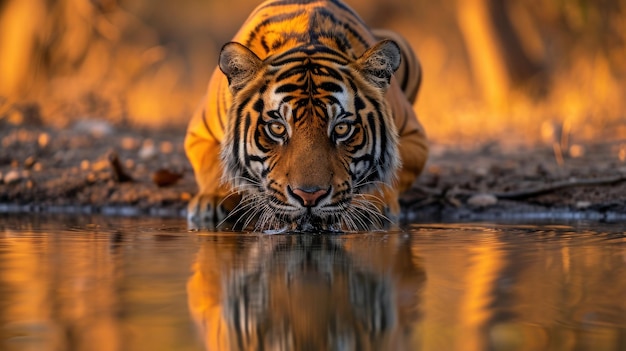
column 352, row 217
column 304, row 224
column 297, row 221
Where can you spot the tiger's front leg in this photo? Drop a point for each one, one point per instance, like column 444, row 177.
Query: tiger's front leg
column 215, row 200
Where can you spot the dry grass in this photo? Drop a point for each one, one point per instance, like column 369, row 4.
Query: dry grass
column 147, row 63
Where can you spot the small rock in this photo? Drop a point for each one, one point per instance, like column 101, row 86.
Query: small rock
column 576, row 151
column 12, row 177
column 43, row 140
column 167, row 147
column 84, row 165
column 482, row 200
column 148, row 150
column 29, row 162
column 100, row 165
column 481, row 171
column 128, row 143
column 91, row 178
column 581, row 205
column 94, row 127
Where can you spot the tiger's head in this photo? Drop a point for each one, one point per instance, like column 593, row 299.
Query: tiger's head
column 310, row 135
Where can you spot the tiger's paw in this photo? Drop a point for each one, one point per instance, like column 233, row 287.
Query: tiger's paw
column 211, row 212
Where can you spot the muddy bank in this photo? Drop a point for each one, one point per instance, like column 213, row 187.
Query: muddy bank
column 94, row 167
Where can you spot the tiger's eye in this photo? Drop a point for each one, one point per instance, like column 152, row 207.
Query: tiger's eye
column 342, row 129
column 277, row 129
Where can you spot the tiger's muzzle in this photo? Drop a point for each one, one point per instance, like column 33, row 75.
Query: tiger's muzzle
column 308, row 196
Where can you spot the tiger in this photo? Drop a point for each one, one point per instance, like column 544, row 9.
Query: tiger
column 306, row 292
column 307, row 124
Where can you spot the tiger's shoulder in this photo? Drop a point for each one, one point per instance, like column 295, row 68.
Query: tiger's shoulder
column 278, row 25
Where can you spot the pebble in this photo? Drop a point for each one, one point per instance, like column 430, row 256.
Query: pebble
column 43, row 140
column 30, row 162
column 91, row 178
column 12, row 177
column 95, row 127
column 482, row 200
column 100, row 165
column 129, row 143
column 148, row 150
column 167, row 147
column 581, row 205
column 481, row 171
column 576, row 151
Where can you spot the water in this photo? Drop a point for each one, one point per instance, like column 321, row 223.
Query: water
column 94, row 283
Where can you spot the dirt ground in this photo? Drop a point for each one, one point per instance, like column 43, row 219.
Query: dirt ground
column 95, row 167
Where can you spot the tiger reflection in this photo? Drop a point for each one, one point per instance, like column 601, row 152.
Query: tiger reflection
column 305, row 292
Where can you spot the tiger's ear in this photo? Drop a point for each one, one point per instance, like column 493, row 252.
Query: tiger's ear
column 239, row 64
column 379, row 63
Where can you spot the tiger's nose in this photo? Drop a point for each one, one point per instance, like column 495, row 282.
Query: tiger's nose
column 309, row 196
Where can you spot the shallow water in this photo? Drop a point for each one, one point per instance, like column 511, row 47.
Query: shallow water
column 102, row 283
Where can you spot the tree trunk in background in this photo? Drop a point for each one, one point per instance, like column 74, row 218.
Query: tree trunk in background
column 499, row 63
column 20, row 23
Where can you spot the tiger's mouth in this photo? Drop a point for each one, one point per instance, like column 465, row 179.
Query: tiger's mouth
column 351, row 214
column 308, row 219
column 319, row 209
column 313, row 223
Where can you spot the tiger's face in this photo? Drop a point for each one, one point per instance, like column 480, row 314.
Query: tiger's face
column 310, row 136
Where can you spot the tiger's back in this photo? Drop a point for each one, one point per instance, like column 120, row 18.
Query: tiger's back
column 275, row 29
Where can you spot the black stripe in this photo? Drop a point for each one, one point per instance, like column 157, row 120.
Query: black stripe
column 221, row 102
column 259, row 105
column 405, row 79
column 259, row 159
column 358, row 103
column 257, row 137
column 236, row 131
column 242, row 106
column 331, row 87
column 377, row 137
column 246, row 128
column 287, row 88
column 269, row 21
column 346, row 26
column 308, row 50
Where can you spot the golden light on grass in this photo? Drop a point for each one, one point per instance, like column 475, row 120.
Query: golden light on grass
column 147, row 63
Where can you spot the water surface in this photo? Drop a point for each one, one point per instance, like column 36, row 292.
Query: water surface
column 103, row 283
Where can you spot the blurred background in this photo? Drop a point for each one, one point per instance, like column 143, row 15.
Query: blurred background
column 509, row 71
